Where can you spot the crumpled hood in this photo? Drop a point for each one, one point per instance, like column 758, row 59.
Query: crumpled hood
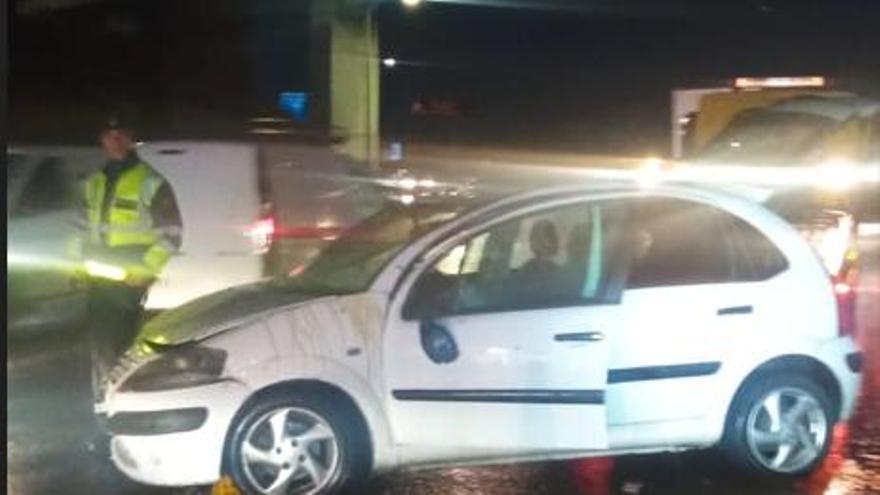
column 214, row 313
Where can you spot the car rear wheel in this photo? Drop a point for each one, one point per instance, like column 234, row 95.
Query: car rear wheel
column 286, row 445
column 779, row 426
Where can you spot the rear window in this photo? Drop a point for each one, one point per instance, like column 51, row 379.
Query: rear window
column 677, row 243
column 754, row 256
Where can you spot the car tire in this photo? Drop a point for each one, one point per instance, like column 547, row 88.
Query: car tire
column 342, row 452
column 775, row 448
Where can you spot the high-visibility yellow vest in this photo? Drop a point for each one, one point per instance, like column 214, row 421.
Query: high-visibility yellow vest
column 128, row 234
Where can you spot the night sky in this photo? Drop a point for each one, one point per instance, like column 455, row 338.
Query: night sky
column 587, row 80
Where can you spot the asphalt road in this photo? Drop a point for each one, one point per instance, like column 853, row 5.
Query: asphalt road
column 49, row 423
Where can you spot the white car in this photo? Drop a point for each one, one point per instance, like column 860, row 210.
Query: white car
column 567, row 323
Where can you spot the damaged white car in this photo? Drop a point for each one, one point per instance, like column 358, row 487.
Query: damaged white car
column 559, row 324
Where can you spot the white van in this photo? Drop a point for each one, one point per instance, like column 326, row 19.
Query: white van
column 249, row 210
column 218, row 194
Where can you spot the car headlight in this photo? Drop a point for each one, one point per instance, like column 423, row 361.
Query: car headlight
column 178, row 368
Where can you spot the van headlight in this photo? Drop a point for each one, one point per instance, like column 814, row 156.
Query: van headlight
column 178, row 368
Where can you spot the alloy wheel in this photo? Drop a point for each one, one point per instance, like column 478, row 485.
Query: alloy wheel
column 290, row 450
column 786, row 429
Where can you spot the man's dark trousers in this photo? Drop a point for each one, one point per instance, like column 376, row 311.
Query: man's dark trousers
column 114, row 315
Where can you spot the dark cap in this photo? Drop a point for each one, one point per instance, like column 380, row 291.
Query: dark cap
column 118, row 121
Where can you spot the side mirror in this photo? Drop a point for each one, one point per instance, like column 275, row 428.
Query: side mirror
column 438, row 342
column 431, row 297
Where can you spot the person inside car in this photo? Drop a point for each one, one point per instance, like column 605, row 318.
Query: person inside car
column 577, row 251
column 538, row 279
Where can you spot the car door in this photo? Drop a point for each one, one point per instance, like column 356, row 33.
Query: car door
column 498, row 343
column 42, row 235
column 693, row 286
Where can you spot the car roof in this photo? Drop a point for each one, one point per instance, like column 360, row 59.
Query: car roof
column 713, row 193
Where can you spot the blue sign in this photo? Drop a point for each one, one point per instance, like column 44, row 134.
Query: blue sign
column 395, row 151
column 294, row 104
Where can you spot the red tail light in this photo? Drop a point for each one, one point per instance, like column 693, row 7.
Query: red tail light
column 845, row 294
column 262, row 233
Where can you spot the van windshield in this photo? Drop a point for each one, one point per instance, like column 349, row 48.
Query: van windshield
column 762, row 138
column 351, row 263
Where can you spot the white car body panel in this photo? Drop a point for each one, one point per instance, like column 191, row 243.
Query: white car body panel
column 216, row 188
column 192, row 457
column 503, row 351
column 360, row 344
column 336, row 341
column 308, row 341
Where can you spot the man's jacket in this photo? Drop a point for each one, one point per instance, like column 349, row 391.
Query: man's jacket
column 133, row 218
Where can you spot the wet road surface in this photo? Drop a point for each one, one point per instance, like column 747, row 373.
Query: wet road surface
column 49, row 424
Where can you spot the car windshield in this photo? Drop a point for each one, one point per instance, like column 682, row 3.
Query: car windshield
column 767, row 138
column 351, row 262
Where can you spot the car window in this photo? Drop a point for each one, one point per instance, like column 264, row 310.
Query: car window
column 554, row 258
column 674, row 242
column 351, row 262
column 755, row 257
column 50, row 188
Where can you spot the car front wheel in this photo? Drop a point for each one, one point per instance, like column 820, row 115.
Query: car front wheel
column 287, row 445
column 779, row 426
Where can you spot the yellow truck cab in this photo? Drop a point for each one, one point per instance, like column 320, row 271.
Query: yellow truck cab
column 784, row 132
column 815, row 151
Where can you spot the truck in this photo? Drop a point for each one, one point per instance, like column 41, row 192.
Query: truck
column 813, row 150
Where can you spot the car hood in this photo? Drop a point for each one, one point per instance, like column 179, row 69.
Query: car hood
column 229, row 308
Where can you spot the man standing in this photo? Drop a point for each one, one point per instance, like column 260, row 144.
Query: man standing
column 134, row 228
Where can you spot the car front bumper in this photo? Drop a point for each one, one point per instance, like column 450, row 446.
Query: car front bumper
column 191, row 454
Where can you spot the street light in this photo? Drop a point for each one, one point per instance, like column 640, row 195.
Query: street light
column 410, row 3
column 389, row 62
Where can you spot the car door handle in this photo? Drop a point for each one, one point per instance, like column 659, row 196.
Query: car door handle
column 579, row 337
column 736, row 310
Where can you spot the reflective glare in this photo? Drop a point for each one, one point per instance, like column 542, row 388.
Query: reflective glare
column 837, row 175
column 15, row 259
column 103, row 270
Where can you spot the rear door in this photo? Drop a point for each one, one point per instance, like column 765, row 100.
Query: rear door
column 702, row 283
column 217, row 193
column 680, row 302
